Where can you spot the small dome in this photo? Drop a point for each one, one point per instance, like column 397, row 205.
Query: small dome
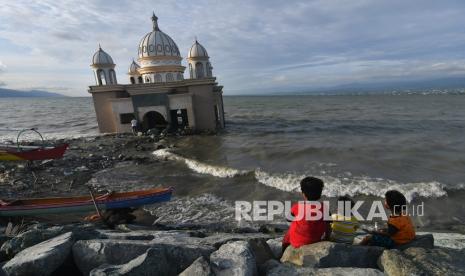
column 197, row 50
column 133, row 68
column 157, row 43
column 102, row 58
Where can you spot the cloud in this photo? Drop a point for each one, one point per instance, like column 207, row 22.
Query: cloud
column 253, row 44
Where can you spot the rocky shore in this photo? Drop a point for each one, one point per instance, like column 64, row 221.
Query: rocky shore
column 191, row 235
column 91, row 249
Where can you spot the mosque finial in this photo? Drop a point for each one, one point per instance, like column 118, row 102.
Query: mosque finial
column 155, row 22
column 195, row 39
column 99, row 47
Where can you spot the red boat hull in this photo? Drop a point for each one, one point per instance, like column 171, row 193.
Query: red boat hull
column 13, row 154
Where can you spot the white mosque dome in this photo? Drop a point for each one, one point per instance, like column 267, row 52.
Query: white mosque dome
column 102, row 58
column 197, row 51
column 133, row 68
column 157, row 43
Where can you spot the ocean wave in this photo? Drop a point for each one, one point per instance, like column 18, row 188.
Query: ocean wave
column 199, row 167
column 361, row 185
column 334, row 186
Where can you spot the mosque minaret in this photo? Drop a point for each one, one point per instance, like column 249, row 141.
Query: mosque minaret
column 157, row 95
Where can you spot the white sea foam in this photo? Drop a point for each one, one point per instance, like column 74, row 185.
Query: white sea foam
column 353, row 186
column 199, row 167
column 334, row 186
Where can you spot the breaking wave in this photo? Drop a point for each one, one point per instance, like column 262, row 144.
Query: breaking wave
column 199, row 167
column 334, row 186
column 363, row 185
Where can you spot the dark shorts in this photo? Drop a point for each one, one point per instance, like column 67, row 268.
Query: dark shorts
column 382, row 240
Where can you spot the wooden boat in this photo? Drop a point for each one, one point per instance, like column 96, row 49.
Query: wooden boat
column 30, row 153
column 66, row 205
column 18, row 152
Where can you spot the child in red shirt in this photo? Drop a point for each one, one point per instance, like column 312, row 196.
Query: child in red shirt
column 308, row 225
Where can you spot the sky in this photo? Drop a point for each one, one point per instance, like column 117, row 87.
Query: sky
column 254, row 46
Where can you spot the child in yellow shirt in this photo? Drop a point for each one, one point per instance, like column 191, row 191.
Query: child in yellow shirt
column 343, row 227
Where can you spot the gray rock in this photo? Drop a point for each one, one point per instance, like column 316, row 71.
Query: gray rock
column 180, row 254
column 266, row 267
column 423, row 241
column 28, row 239
column 276, row 246
column 261, row 251
column 41, row 259
column 200, row 267
column 421, row 261
column 234, row 258
column 393, row 262
column 290, row 270
column 90, row 254
column 329, row 254
column 348, row 271
column 152, row 262
column 438, row 261
column 218, row 240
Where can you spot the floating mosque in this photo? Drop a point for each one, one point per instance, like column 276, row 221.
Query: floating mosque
column 158, row 95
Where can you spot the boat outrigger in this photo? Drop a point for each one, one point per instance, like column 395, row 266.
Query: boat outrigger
column 80, row 204
column 18, row 152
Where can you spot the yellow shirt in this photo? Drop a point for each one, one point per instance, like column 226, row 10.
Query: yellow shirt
column 343, row 228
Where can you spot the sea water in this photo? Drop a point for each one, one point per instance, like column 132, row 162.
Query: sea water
column 359, row 145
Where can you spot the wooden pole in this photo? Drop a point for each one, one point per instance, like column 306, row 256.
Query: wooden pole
column 95, row 203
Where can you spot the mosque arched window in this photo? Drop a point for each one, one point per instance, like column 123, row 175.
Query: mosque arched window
column 132, row 80
column 179, row 77
column 209, row 69
column 191, row 73
column 147, row 80
column 157, row 78
column 140, row 80
column 169, row 77
column 102, row 80
column 199, row 70
column 112, row 76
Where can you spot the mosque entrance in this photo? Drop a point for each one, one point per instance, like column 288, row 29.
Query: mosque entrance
column 153, row 119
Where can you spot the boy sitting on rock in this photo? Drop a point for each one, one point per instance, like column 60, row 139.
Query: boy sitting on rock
column 400, row 229
column 344, row 225
column 308, row 225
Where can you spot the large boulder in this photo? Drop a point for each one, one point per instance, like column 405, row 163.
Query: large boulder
column 28, row 239
column 148, row 235
column 234, row 258
column 393, row 262
column 152, row 262
column 276, row 247
column 330, row 254
column 447, row 239
column 423, row 241
column 41, row 259
column 219, row 239
column 200, row 267
column 40, row 233
column 91, row 254
column 421, row 261
column 291, row 270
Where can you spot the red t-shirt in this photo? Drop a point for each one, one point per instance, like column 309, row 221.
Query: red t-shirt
column 307, row 228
